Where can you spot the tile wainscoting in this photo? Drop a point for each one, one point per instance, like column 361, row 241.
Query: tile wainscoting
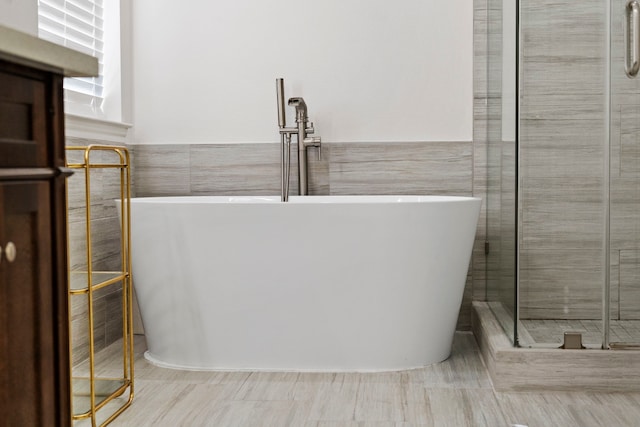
column 354, row 168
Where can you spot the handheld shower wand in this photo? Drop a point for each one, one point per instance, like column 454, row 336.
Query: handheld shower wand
column 285, row 141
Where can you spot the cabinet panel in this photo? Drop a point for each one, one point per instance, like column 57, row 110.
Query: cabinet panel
column 27, row 359
column 23, row 114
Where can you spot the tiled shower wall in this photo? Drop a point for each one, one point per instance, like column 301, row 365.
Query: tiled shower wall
column 625, row 178
column 344, row 169
column 562, row 147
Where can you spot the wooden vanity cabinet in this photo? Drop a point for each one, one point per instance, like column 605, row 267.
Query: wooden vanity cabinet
column 34, row 333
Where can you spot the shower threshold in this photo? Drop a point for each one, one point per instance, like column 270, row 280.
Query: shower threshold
column 549, row 333
column 528, row 369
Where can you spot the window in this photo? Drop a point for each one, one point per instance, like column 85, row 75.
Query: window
column 78, row 25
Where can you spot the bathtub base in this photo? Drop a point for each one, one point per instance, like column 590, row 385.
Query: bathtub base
column 156, row 362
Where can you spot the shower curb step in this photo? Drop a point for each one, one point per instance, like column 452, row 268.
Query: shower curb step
column 546, row 369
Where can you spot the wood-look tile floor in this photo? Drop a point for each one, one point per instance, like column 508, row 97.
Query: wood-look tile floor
column 457, row 393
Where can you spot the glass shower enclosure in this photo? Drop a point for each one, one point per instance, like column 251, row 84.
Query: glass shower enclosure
column 563, row 201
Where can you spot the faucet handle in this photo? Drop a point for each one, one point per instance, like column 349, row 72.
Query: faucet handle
column 314, row 141
column 310, row 129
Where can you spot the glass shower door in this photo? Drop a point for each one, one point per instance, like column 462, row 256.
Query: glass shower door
column 562, row 185
column 623, row 326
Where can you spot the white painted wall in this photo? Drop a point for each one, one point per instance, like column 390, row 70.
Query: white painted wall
column 21, row 15
column 370, row 70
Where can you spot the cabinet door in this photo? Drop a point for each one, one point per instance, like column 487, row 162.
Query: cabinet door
column 27, row 336
column 23, row 116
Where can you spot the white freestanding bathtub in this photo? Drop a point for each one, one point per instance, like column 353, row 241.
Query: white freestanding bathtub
column 321, row 283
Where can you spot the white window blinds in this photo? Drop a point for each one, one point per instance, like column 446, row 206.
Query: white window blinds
column 79, row 25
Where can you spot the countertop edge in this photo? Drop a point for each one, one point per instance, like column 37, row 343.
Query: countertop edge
column 29, row 50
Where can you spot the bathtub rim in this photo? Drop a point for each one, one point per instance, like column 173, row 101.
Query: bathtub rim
column 331, row 199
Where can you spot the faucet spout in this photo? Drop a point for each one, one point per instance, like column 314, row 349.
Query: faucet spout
column 301, row 109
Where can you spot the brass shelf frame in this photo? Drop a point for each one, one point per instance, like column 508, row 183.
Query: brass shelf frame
column 90, row 394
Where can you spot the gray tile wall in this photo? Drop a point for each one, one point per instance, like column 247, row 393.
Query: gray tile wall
column 355, row 168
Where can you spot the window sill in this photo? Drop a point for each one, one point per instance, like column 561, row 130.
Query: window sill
column 95, row 129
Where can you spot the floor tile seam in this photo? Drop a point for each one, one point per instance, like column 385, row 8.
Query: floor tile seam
column 177, row 381
column 456, row 387
column 243, row 384
column 166, row 409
